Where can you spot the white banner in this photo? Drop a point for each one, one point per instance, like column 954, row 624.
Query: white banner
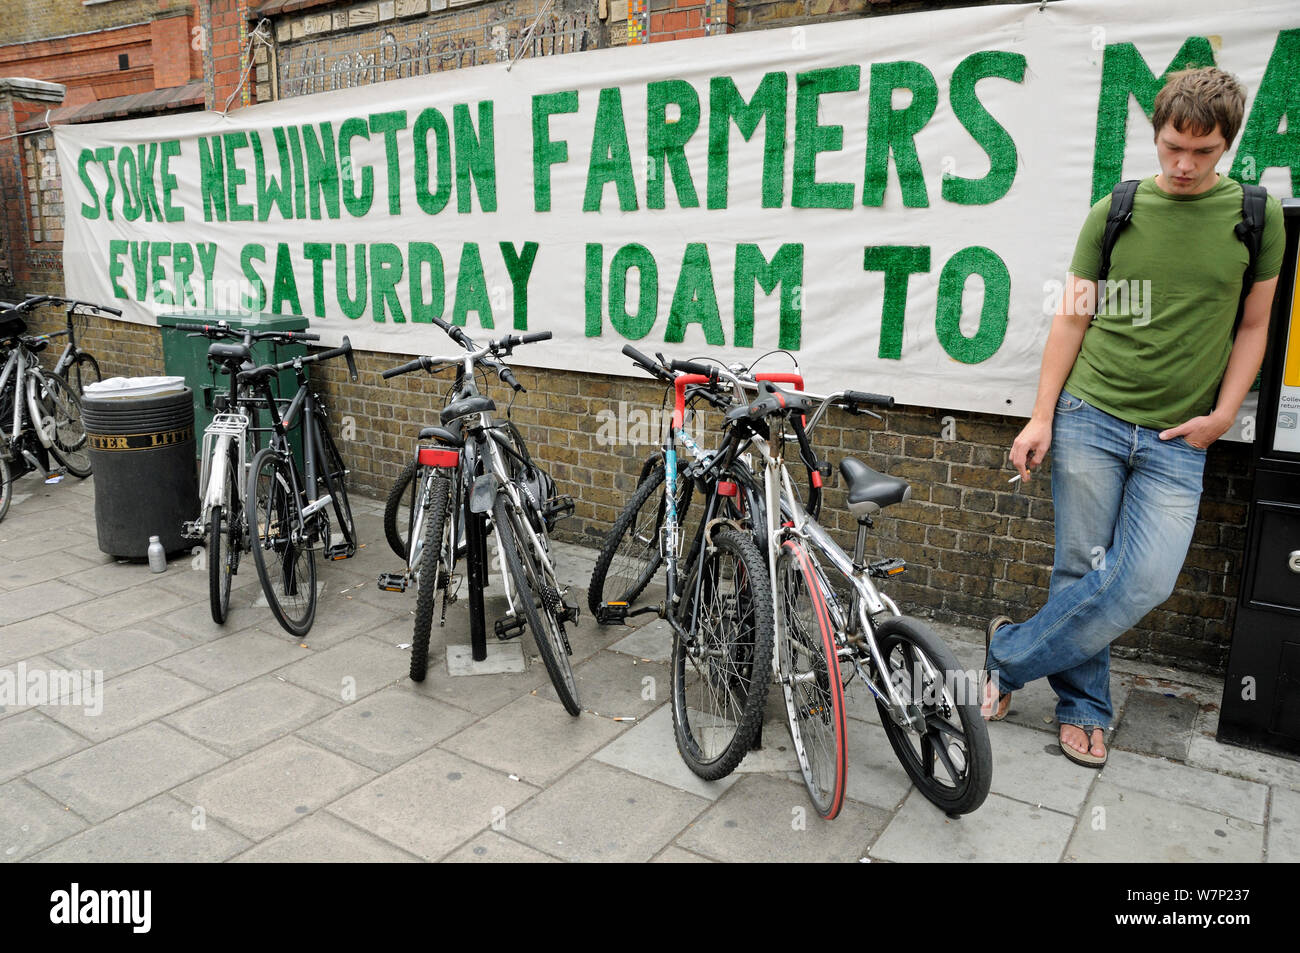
column 895, row 199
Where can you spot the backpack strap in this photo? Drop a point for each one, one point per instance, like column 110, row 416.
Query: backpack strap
column 1121, row 211
column 1254, row 204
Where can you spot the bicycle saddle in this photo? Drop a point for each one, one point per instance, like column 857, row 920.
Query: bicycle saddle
column 229, row 354
column 466, row 406
column 869, row 490
column 441, row 434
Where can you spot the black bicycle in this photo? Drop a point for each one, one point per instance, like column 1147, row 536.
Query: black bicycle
column 288, row 515
column 77, row 366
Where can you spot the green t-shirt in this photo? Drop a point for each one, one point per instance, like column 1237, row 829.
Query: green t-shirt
column 1159, row 342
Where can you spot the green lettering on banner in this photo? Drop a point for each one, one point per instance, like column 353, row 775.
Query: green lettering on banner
column 891, row 130
column 476, row 159
column 127, row 174
column 352, row 305
column 212, row 180
column 299, row 172
column 249, row 254
column 520, row 266
column 235, row 177
column 170, row 149
column 767, row 106
column 90, row 212
column 611, row 160
column 593, row 290
column 975, row 260
column 322, row 170
column 547, row 151
column 317, row 253
column 1125, row 73
column 148, row 159
column 695, row 301
column 983, row 128
column 157, row 274
column 632, row 326
column 812, row 138
column 104, row 156
column 420, row 255
column 785, row 269
column 1262, row 145
column 389, row 124
column 385, row 272
column 666, row 141
column 471, row 288
column 357, row 203
column 117, row 247
column 182, row 269
column 272, row 192
column 207, row 252
column 285, row 289
column 897, row 262
column 140, row 262
column 432, row 121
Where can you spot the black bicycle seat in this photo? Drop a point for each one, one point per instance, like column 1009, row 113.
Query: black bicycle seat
column 232, row 355
column 870, row 490
column 466, row 406
column 441, row 434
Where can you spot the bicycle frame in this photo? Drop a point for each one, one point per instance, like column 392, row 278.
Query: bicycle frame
column 25, row 375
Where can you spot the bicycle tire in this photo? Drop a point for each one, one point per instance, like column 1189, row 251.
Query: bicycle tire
column 432, row 560
column 272, row 509
column 6, row 487
column 714, row 735
column 335, row 476
column 548, row 631
column 83, row 369
column 70, row 445
column 406, row 483
column 629, row 558
column 809, row 673
column 899, row 638
column 223, row 546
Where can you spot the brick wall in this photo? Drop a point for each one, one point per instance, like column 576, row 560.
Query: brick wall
column 25, row 20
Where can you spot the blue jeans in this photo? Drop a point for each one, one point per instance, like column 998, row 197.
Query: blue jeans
column 1126, row 504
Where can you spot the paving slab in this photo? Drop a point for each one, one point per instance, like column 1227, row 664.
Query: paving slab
column 652, row 642
column 1157, row 724
column 47, row 566
column 322, row 838
column 39, row 635
column 675, row 855
column 339, row 619
column 1284, row 826
column 127, row 702
column 194, row 620
column 349, row 671
column 20, row 543
column 1028, row 766
column 650, row 750
column 503, row 658
column 493, row 848
column 764, row 819
column 124, row 650
column 1122, row 825
column 387, row 728
column 31, row 739
column 13, row 674
column 30, row 820
column 251, row 715
column 36, row 600
column 274, row 786
column 481, row 695
column 875, row 776
column 1001, row 831
column 616, row 686
column 1176, row 782
column 1243, row 763
column 124, row 608
column 599, row 813
column 124, row 771
column 163, row 830
column 433, row 804
column 228, row 661
column 533, row 738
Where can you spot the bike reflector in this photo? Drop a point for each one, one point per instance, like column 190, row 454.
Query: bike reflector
column 434, row 457
column 726, row 488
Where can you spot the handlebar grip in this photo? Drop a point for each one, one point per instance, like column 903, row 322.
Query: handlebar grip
column 508, row 377
column 691, row 367
column 406, row 368
column 105, row 308
column 532, row 336
column 650, row 366
column 298, row 335
column 352, row 361
column 858, row 397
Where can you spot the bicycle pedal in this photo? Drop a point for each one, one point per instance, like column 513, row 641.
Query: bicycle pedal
column 570, row 613
column 557, row 507
column 193, row 530
column 392, row 581
column 340, row 551
column 884, row 568
column 612, row 613
column 509, row 628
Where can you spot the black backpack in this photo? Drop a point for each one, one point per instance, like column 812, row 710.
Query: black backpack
column 1254, row 199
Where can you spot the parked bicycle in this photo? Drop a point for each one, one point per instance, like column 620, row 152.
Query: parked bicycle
column 475, row 470
column 287, row 513
column 42, row 412
column 769, row 575
column 78, row 367
column 229, row 443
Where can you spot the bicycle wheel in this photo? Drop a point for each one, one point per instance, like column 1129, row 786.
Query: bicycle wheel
column 82, row 370
column 403, row 492
column 720, row 674
column 630, row 557
column 6, row 487
column 223, row 544
column 286, row 569
column 435, row 562
column 949, row 760
column 809, row 672
column 335, row 476
column 538, row 597
column 70, row 446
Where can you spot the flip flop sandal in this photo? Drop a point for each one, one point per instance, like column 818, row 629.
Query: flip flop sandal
column 1004, row 698
column 1085, row 758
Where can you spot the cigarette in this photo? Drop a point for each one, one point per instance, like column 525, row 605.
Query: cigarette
column 1014, row 478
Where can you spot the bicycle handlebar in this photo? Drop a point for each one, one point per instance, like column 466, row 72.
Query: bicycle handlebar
column 32, row 302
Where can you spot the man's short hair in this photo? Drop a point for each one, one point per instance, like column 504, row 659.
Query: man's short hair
column 1197, row 101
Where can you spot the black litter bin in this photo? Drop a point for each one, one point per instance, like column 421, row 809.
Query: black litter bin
column 142, row 449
